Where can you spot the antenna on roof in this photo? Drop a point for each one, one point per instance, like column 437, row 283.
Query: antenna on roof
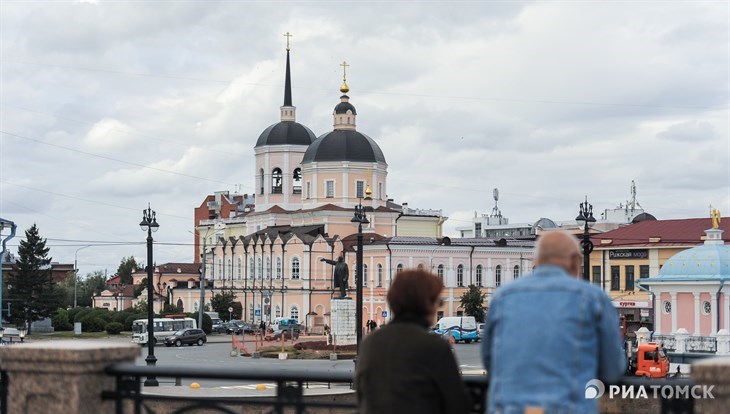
column 495, row 210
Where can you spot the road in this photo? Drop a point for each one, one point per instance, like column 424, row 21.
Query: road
column 217, row 354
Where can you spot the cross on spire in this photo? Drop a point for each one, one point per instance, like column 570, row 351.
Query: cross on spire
column 287, row 35
column 344, row 70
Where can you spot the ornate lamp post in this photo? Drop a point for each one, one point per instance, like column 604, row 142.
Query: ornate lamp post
column 149, row 224
column 360, row 218
column 585, row 219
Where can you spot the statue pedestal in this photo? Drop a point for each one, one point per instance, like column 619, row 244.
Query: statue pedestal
column 342, row 316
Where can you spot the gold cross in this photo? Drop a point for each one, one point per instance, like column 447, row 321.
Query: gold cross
column 344, row 70
column 287, row 35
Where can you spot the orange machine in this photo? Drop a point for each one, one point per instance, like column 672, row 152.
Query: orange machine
column 649, row 360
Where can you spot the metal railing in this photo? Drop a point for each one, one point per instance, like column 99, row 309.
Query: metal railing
column 702, row 344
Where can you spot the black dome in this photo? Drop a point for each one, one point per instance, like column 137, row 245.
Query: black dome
column 343, row 107
column 643, row 217
column 344, row 145
column 286, row 133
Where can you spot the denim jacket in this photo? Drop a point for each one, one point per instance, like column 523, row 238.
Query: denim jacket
column 545, row 337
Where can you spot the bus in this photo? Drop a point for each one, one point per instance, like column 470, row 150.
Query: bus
column 163, row 327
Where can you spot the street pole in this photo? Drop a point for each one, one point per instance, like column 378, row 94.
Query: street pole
column 358, row 288
column 202, row 287
column 585, row 219
column 76, row 270
column 149, row 223
column 13, row 227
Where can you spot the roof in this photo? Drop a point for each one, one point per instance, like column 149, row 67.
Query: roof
column 114, row 280
column 343, row 107
column 344, row 145
column 189, row 268
column 286, row 133
column 679, row 232
column 707, row 262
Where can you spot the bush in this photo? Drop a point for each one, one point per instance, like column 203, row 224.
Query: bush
column 207, row 322
column 60, row 320
column 114, row 328
column 79, row 313
column 131, row 318
column 93, row 325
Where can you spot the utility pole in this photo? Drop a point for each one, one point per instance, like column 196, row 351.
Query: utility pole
column 76, row 270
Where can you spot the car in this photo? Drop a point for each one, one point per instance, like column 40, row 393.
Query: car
column 233, row 328
column 276, row 335
column 188, row 336
column 218, row 326
column 480, row 331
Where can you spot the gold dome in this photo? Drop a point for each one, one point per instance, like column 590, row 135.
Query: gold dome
column 344, row 88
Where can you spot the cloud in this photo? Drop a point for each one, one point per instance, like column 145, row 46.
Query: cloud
column 689, row 131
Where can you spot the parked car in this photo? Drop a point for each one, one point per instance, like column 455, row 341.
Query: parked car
column 219, row 326
column 186, row 336
column 276, row 335
column 233, row 328
column 480, row 331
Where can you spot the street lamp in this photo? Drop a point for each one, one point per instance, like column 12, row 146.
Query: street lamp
column 585, row 220
column 4, row 223
column 22, row 332
column 2, row 331
column 76, row 270
column 360, row 218
column 149, row 224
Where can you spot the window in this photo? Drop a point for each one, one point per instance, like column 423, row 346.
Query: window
column 399, row 268
column 629, row 277
column 667, row 306
column 294, row 313
column 239, row 270
column 477, row 229
column 380, row 191
column 295, row 268
column 297, row 181
column 364, row 275
column 278, row 311
column 259, row 269
column 440, row 272
column 276, row 181
column 380, row 275
column 460, row 275
column 250, row 312
column 251, row 269
column 309, row 189
column 516, row 272
column 498, row 276
column 329, row 188
column 220, row 268
column 268, row 268
column 278, row 267
column 596, row 275
column 615, row 278
column 360, row 189
column 643, row 271
column 261, row 181
column 420, row 266
column 479, row 276
column 230, row 269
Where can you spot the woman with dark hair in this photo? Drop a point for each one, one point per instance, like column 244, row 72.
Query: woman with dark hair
column 402, row 368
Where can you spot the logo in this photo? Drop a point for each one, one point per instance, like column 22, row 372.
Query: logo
column 594, row 389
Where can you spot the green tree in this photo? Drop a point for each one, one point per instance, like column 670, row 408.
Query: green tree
column 93, row 283
column 128, row 266
column 35, row 296
column 473, row 303
column 220, row 302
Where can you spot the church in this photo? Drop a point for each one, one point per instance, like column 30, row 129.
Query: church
column 268, row 247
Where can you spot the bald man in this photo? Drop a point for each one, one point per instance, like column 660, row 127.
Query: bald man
column 548, row 334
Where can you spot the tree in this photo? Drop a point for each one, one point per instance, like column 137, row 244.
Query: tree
column 94, row 283
column 473, row 303
column 127, row 266
column 224, row 300
column 34, row 294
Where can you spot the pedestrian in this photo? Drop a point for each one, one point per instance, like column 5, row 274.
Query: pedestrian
column 574, row 323
column 402, row 368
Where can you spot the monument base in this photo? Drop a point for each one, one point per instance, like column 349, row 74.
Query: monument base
column 342, row 316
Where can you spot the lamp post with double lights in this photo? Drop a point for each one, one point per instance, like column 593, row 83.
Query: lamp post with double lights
column 149, row 224
column 585, row 220
column 360, row 218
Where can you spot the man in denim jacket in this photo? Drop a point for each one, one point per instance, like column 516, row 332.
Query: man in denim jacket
column 548, row 334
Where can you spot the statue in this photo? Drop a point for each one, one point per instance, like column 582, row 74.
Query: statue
column 716, row 217
column 341, row 274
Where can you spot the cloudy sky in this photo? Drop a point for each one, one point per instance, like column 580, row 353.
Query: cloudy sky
column 107, row 106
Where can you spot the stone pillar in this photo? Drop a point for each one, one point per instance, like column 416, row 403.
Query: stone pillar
column 712, row 372
column 723, row 342
column 642, row 335
column 62, row 376
column 680, row 336
column 342, row 313
column 698, row 312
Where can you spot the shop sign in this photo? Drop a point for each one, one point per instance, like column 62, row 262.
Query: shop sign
column 628, row 254
column 630, row 304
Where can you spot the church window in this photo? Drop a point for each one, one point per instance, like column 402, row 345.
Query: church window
column 440, row 272
column 348, row 120
column 276, row 181
column 516, row 272
column 295, row 268
column 260, row 270
column 297, row 181
column 399, row 268
column 261, row 180
column 294, row 313
column 268, row 268
column 251, row 268
column 365, row 275
column 498, row 276
column 380, row 275
column 330, row 187
column 309, row 189
column 360, row 186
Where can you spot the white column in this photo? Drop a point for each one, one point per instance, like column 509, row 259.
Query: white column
column 697, row 314
column 725, row 308
column 653, row 262
column 715, row 311
column 372, row 274
column 674, row 311
column 658, row 313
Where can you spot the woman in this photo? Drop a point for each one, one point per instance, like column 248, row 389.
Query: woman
column 402, row 368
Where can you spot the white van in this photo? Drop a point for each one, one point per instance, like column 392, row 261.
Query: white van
column 462, row 328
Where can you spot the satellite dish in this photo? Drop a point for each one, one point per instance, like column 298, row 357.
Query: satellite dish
column 496, row 194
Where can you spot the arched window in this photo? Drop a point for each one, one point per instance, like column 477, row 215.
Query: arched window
column 278, row 267
column 261, row 180
column 240, row 267
column 364, row 275
column 268, row 268
column 259, row 269
column 276, row 181
column 516, row 271
column 498, row 276
column 479, row 276
column 251, row 268
column 220, row 268
column 230, row 268
column 420, row 266
column 399, row 268
column 380, row 275
column 278, row 311
column 295, row 268
column 440, row 272
column 294, row 312
column 297, row 181
column 460, row 275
